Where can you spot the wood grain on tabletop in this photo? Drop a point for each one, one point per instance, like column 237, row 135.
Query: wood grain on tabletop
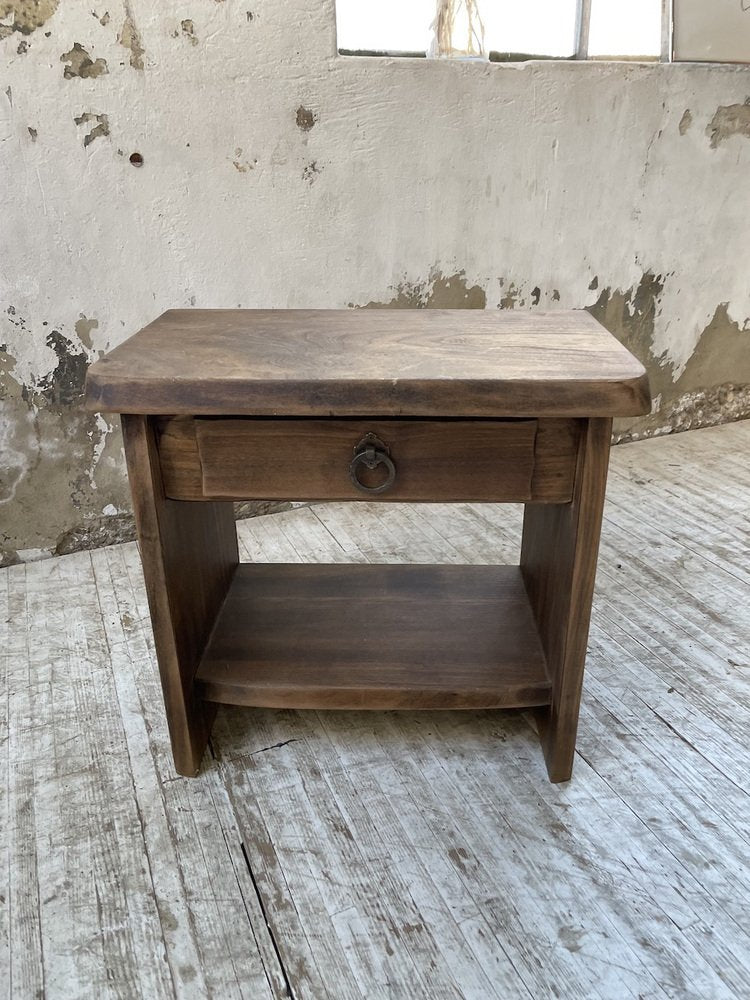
column 456, row 362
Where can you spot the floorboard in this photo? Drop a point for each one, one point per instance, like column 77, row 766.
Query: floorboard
column 328, row 855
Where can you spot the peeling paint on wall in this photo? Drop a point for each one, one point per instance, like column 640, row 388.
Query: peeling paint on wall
column 28, row 15
column 130, row 37
column 305, row 118
column 729, row 120
column 243, row 165
column 188, row 30
column 713, row 387
column 686, row 121
column 84, row 327
column 101, row 128
column 434, row 292
column 80, row 64
column 311, row 171
column 511, row 298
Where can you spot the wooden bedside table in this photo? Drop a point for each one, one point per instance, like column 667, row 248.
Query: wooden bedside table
column 388, row 405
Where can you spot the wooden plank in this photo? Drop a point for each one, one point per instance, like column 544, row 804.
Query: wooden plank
column 24, row 965
column 189, row 553
column 8, row 639
column 81, row 825
column 375, row 637
column 513, row 856
column 583, row 838
column 363, row 362
column 215, row 939
column 279, row 863
column 558, row 562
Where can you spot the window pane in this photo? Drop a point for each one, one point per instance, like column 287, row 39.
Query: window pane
column 534, row 27
column 385, row 25
column 625, row 28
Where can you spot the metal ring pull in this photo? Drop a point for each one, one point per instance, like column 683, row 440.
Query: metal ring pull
column 370, row 453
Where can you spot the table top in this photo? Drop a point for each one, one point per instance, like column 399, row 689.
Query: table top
column 361, row 362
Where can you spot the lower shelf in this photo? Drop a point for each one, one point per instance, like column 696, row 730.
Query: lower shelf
column 375, row 636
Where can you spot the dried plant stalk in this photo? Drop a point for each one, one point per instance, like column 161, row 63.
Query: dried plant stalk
column 451, row 17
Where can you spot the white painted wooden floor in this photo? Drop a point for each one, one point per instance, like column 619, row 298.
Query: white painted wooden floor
column 392, row 855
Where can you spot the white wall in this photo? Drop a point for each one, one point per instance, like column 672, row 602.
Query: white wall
column 576, row 180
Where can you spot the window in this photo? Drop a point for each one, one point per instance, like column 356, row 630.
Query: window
column 507, row 29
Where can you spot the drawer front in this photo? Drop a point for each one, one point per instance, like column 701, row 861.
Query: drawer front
column 407, row 460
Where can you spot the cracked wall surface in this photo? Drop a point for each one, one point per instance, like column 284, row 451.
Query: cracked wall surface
column 221, row 154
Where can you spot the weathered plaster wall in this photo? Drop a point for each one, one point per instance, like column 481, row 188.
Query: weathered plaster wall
column 217, row 153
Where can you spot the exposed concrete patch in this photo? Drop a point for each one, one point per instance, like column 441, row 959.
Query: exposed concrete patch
column 49, row 484
column 96, row 532
column 80, row 64
column 729, row 120
column 240, row 165
column 19, row 448
column 33, row 133
column 7, row 366
column 511, row 298
column 50, row 445
column 99, row 130
column 83, row 328
column 28, row 15
column 305, row 118
column 311, row 172
column 630, row 315
column 188, row 30
column 435, row 292
column 130, row 38
column 686, row 121
column 692, row 410
column 64, row 385
column 713, row 386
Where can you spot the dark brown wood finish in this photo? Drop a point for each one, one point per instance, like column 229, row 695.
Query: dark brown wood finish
column 558, row 563
column 310, row 459
column 383, row 637
column 269, row 404
column 189, row 554
column 249, row 459
column 433, row 362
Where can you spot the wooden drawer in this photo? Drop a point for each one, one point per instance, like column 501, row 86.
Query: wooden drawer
column 432, row 460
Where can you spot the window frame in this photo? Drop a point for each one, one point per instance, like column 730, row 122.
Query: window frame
column 582, row 26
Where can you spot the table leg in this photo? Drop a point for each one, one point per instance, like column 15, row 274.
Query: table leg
column 189, row 554
column 558, row 562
